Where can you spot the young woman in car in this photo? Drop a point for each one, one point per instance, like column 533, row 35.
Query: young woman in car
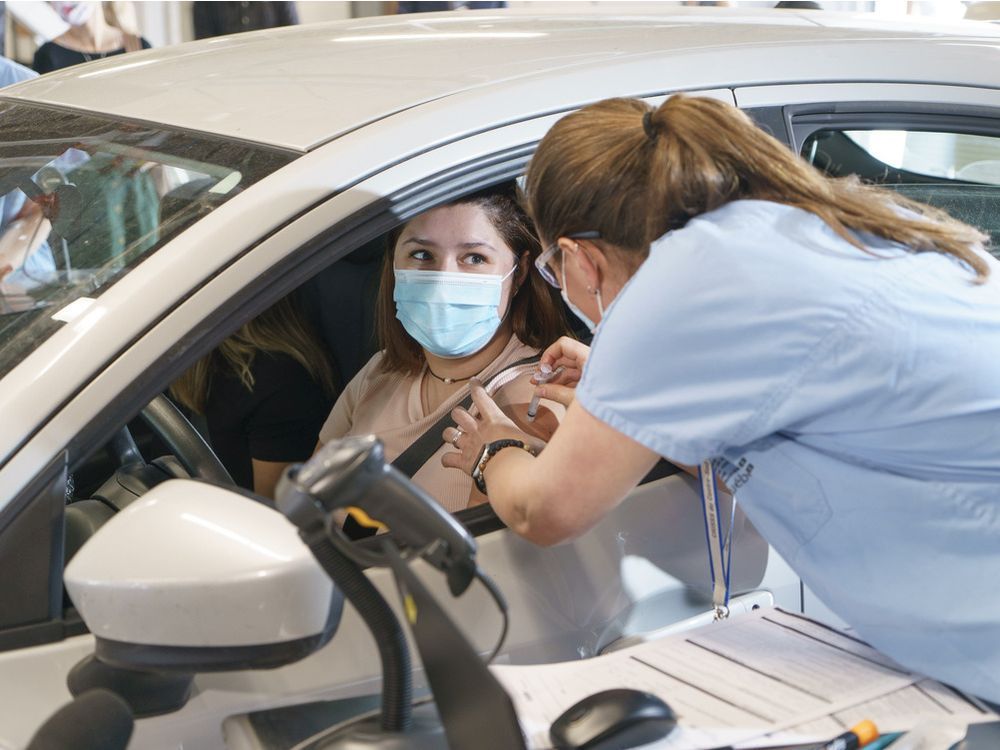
column 457, row 301
column 263, row 393
column 829, row 348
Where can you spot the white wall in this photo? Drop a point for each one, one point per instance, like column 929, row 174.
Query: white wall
column 163, row 22
column 314, row 11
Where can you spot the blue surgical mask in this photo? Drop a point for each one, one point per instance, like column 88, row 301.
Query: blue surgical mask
column 449, row 314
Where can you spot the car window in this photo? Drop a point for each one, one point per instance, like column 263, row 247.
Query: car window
column 84, row 199
column 957, row 172
column 952, row 156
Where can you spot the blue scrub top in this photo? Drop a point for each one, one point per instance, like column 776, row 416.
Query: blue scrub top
column 12, row 72
column 852, row 400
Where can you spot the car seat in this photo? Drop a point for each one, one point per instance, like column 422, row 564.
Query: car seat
column 340, row 300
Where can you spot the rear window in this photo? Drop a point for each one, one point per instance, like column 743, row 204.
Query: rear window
column 84, row 199
column 956, row 172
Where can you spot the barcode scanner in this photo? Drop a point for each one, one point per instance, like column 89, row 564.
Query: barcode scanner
column 352, row 474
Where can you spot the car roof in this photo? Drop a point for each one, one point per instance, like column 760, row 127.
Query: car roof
column 299, row 87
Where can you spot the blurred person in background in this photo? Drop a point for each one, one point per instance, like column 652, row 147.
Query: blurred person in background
column 25, row 257
column 12, row 72
column 221, row 18
column 430, row 6
column 91, row 36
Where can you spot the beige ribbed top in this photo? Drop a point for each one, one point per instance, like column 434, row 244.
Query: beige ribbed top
column 389, row 405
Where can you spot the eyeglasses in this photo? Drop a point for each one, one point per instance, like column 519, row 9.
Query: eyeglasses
column 543, row 260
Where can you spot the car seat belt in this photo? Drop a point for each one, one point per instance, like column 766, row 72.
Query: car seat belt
column 425, row 446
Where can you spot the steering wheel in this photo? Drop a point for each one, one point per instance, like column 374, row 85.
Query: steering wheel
column 135, row 477
column 179, row 435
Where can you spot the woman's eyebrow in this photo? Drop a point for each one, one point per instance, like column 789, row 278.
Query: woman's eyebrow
column 471, row 245
column 475, row 244
column 420, row 241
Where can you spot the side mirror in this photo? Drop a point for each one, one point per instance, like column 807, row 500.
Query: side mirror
column 195, row 578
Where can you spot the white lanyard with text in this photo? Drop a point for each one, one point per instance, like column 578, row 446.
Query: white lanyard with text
column 720, row 549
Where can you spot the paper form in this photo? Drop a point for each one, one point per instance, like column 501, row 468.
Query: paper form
column 766, row 674
column 895, row 712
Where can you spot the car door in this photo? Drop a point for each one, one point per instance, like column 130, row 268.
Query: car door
column 642, row 568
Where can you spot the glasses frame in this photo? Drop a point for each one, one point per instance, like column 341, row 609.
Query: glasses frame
column 542, row 261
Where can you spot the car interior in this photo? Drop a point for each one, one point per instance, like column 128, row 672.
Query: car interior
column 339, row 301
column 970, row 200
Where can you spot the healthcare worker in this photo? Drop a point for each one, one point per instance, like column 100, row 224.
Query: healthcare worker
column 832, row 348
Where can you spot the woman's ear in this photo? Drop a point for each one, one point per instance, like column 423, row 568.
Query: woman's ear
column 523, row 269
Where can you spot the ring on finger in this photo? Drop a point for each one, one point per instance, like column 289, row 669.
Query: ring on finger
column 458, row 434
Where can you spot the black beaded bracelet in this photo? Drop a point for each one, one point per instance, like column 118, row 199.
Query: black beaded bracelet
column 490, row 450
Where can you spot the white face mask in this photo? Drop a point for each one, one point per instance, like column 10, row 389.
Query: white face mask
column 591, row 325
column 75, row 14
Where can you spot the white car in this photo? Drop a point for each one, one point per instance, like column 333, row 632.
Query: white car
column 186, row 189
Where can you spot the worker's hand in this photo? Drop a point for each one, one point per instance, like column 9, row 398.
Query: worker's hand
column 570, row 355
column 561, row 394
column 471, row 433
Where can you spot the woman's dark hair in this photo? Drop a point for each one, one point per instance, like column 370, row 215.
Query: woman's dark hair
column 536, row 312
column 633, row 173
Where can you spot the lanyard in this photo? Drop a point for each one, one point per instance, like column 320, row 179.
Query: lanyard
column 720, row 549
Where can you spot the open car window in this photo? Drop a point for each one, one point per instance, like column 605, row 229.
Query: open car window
column 84, row 199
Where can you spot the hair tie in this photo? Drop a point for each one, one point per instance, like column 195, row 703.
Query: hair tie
column 649, row 126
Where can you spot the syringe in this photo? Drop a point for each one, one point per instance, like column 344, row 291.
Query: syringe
column 544, row 375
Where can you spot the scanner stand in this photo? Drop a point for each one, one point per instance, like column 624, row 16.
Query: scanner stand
column 425, row 733
column 473, row 709
column 476, row 710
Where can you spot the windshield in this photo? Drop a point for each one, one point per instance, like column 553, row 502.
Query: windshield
column 84, row 199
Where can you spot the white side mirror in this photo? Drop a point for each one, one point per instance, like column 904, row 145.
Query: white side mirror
column 196, row 578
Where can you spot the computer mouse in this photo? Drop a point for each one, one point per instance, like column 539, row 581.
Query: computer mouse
column 613, row 720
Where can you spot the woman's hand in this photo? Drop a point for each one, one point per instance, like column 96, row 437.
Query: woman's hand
column 472, row 433
column 571, row 355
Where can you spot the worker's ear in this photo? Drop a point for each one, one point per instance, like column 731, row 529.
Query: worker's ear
column 588, row 258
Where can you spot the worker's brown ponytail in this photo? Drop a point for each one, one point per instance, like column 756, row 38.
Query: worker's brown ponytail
column 633, row 173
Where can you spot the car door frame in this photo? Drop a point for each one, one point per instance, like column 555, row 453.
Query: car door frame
column 791, row 112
